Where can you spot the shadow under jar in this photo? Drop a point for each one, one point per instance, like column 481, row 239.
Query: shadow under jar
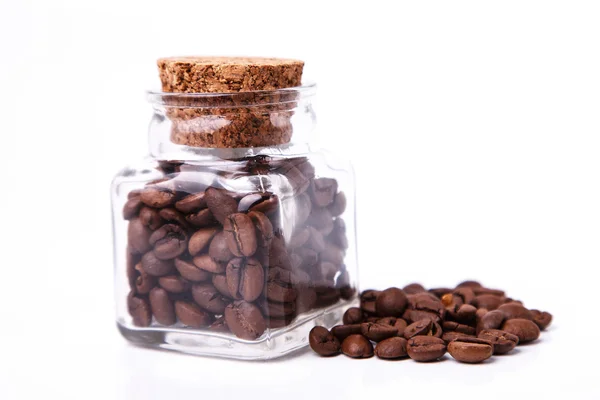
column 233, row 238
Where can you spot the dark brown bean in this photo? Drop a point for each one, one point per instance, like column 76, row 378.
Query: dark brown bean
column 190, row 272
column 414, row 288
column 155, row 266
column 391, row 303
column 219, row 281
column 470, row 350
column 245, row 320
column 323, row 342
column 139, row 309
column 353, row 315
column 218, row 249
column 338, row 206
column 202, row 218
column 220, row 203
column 209, row 298
column 220, row 325
column 377, row 332
column 343, row 331
column 450, row 336
column 264, row 228
column 191, row 315
column 131, row 208
column 451, row 326
column 208, row 264
column 515, row 310
column 469, row 284
column 200, row 240
column 524, row 329
column 426, row 348
column 357, row 346
column 144, row 281
column 392, row 348
column 245, row 278
column 491, row 320
column 503, row 341
column 138, row 236
column 162, row 307
column 323, row 191
column 191, row 203
column 150, row 218
column 489, row 301
column 157, row 197
column 174, row 284
column 171, row 215
column 541, row 319
column 397, row 323
column 241, row 236
column 169, row 241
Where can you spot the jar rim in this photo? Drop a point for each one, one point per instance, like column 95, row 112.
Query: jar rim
column 232, row 99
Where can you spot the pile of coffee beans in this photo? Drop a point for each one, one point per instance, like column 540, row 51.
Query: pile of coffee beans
column 471, row 322
column 237, row 246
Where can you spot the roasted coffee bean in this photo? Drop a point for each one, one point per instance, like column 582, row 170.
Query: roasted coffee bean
column 278, row 310
column 377, row 332
column 391, row 303
column 191, row 203
column 131, row 261
column 421, row 302
column 219, row 325
column 392, row 348
column 526, row 330
column 200, row 240
column 219, row 281
column 134, row 193
column 144, row 281
column 264, row 228
column 218, row 249
column 299, row 239
column 306, row 299
column 157, row 197
column 280, row 285
column 138, row 236
column 332, row 254
column 131, row 208
column 267, row 205
column 541, row 319
column 450, row 336
column 155, row 266
column 150, row 218
column 190, row 272
column 315, row 240
column 302, row 207
column 209, row 298
column 338, row 206
column 245, row 278
column 489, row 301
column 451, row 326
column 323, row 191
column 426, row 348
column 357, row 346
column 191, row 315
column 171, row 215
column 241, row 236
column 245, row 320
column 466, row 294
column 139, row 309
column 323, row 342
column 248, row 201
column 425, row 327
column 491, row 320
column 353, row 315
column 417, row 315
column 469, row 284
column 466, row 313
column 220, row 203
column 343, row 331
column 208, row 264
column 162, row 307
column 503, row 341
column 514, row 310
column 470, row 350
column 397, row 323
column 202, row 218
column 367, row 300
column 414, row 288
column 169, row 241
column 174, row 284
column 480, row 314
column 487, row 291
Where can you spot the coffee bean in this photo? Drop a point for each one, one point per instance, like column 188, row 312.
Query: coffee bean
column 480, row 314
column 191, row 315
column 202, row 218
column 321, row 219
column 392, row 348
column 306, row 299
column 200, row 240
column 280, row 285
column 208, row 264
column 466, row 294
column 245, row 278
column 397, row 323
column 493, row 292
column 439, row 292
column 377, row 332
column 526, row 330
column 139, row 309
column 353, row 315
column 279, row 310
column 134, row 193
column 414, row 288
column 450, row 336
column 267, row 205
column 491, row 320
column 489, row 301
column 138, row 236
column 315, row 240
column 162, row 307
column 219, row 325
column 426, row 348
column 248, row 201
column 264, row 228
column 338, row 206
column 241, row 236
column 541, row 319
column 157, row 197
column 169, row 241
column 470, row 350
column 155, row 266
column 218, row 249
column 150, row 218
column 323, row 342
column 469, row 284
column 171, row 215
column 190, row 272
column 131, row 260
column 503, row 341
column 209, row 298
column 357, row 346
column 191, row 203
column 144, row 281
column 425, row 327
column 451, row 326
column 422, row 302
column 466, row 313
column 174, row 284
column 417, row 315
column 219, row 281
column 245, row 320
column 343, row 331
column 131, row 208
column 220, row 203
column 323, row 191
column 391, row 303
column 514, row 310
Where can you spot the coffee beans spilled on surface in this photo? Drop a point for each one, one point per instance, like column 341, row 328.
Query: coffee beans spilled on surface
column 470, row 322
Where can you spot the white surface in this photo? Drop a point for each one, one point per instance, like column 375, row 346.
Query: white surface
column 478, row 119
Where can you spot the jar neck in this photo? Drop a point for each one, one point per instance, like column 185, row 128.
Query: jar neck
column 231, row 125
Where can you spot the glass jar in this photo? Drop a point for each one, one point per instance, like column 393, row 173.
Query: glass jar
column 234, row 237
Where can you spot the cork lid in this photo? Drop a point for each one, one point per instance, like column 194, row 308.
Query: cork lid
column 228, row 74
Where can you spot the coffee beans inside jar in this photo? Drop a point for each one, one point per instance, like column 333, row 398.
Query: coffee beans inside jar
column 254, row 245
column 470, row 322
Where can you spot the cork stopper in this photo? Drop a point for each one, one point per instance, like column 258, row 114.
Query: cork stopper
column 246, row 109
column 228, row 74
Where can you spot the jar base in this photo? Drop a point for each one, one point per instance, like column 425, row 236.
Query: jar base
column 273, row 344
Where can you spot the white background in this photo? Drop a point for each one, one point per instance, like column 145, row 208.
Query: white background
column 473, row 126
